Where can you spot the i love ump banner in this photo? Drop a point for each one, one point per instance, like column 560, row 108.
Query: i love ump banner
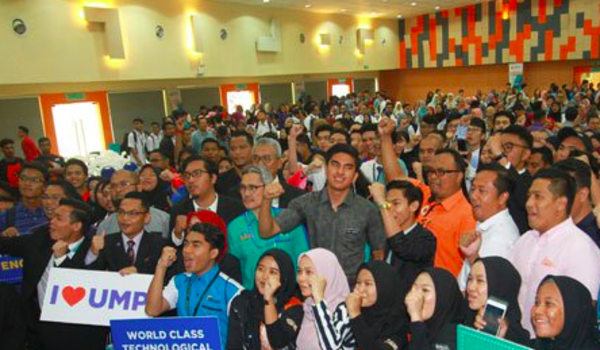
column 94, row 297
column 169, row 333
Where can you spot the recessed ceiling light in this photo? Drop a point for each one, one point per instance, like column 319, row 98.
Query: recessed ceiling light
column 437, row 8
column 308, row 6
column 399, row 16
column 413, row 4
column 373, row 13
column 266, row 1
column 343, row 10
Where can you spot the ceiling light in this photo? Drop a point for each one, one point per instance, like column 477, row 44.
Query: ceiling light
column 266, row 1
column 413, row 4
column 343, row 10
column 308, row 6
column 437, row 8
column 399, row 16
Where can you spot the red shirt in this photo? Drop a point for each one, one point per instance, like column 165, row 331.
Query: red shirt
column 29, row 149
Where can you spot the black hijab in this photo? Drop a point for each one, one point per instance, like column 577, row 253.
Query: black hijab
column 449, row 302
column 157, row 197
column 504, row 282
column 387, row 316
column 580, row 330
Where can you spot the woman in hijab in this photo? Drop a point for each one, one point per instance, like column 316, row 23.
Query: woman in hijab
column 373, row 316
column 563, row 316
column 154, row 188
column 319, row 271
column 495, row 276
column 267, row 317
column 435, row 306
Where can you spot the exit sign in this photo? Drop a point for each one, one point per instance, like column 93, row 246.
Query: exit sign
column 75, row 96
column 240, row 86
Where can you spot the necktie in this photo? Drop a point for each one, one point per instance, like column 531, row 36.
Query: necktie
column 130, row 253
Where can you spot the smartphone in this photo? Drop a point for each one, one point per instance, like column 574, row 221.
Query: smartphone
column 495, row 309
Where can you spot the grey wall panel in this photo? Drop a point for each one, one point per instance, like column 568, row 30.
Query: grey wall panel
column 124, row 107
column 22, row 111
column 361, row 85
column 192, row 99
column 316, row 89
column 276, row 94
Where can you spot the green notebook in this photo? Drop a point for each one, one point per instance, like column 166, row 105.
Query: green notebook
column 472, row 339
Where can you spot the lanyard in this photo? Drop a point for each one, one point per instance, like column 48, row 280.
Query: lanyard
column 189, row 290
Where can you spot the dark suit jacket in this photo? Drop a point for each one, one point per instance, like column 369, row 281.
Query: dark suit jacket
column 228, row 183
column 518, row 198
column 36, row 250
column 12, row 324
column 227, row 208
column 114, row 255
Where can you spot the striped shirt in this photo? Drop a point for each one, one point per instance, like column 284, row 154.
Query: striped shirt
column 334, row 331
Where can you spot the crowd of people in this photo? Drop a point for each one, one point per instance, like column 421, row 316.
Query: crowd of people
column 357, row 222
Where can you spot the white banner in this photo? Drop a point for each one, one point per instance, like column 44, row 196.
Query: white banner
column 94, row 297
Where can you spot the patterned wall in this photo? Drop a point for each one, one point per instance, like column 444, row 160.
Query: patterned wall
column 502, row 31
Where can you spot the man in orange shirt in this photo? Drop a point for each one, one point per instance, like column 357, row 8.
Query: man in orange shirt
column 447, row 213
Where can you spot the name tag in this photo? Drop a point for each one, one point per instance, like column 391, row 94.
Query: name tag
column 352, row 231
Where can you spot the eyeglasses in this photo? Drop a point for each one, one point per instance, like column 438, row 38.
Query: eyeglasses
column 121, row 185
column 509, row 146
column 155, row 160
column 264, row 159
column 34, row 180
column 439, row 172
column 250, row 188
column 55, row 198
column 130, row 214
column 194, row 174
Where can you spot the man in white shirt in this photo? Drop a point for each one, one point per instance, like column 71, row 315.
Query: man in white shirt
column 308, row 121
column 154, row 139
column 136, row 142
column 264, row 125
column 496, row 231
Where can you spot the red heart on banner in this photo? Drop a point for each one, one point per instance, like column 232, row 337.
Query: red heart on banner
column 73, row 295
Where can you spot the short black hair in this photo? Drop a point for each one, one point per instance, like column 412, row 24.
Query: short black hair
column 369, row 127
column 347, row 149
column 212, row 234
column 79, row 162
column 505, row 114
column 323, row 127
column 304, row 139
column 521, row 133
column 138, row 120
column 167, row 123
column 140, row 197
column 459, row 161
column 342, row 132
column 155, row 124
column 411, row 192
column 242, row 133
column 578, row 169
column 7, row 199
column 546, row 153
column 6, row 142
column 67, row 188
column 479, row 123
column 209, row 140
column 43, row 139
column 24, row 129
column 211, row 167
column 504, row 182
column 186, row 150
column 430, row 120
column 561, row 184
column 81, row 213
column 37, row 166
column 571, row 114
column 158, row 150
column 400, row 134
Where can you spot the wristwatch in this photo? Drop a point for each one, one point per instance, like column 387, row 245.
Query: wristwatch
column 385, row 205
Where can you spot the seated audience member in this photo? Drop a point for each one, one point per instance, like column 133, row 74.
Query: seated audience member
column 54, row 163
column 202, row 290
column 210, row 150
column 495, row 277
column 554, row 245
column 104, row 203
column 540, row 158
column 411, row 246
column 269, row 315
column 12, row 323
column 319, row 271
column 435, row 306
column 503, row 120
column 123, row 182
column 225, row 164
column 247, row 248
column 564, row 317
column 267, row 152
column 10, row 165
column 60, row 244
column 581, row 212
column 337, row 218
column 200, row 176
column 133, row 250
column 54, row 192
column 570, row 140
column 154, row 188
column 496, row 231
column 76, row 173
column 240, row 151
column 372, row 317
column 27, row 212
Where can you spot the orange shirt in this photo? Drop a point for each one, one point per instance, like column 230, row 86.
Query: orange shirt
column 448, row 220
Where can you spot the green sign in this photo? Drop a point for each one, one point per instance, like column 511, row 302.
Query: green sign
column 342, row 80
column 241, row 87
column 75, row 96
column 471, row 339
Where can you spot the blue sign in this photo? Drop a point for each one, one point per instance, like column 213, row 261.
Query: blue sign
column 11, row 269
column 169, row 333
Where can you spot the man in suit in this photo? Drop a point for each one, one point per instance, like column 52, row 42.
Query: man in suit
column 240, row 151
column 133, row 250
column 267, row 152
column 61, row 244
column 199, row 176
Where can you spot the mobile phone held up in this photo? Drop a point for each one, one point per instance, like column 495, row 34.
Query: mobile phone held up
column 495, row 309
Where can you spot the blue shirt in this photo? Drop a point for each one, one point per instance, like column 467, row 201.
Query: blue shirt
column 24, row 219
column 209, row 295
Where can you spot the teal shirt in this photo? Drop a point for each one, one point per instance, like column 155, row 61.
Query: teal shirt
column 246, row 244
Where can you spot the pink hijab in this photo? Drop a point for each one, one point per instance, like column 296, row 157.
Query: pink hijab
column 336, row 291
